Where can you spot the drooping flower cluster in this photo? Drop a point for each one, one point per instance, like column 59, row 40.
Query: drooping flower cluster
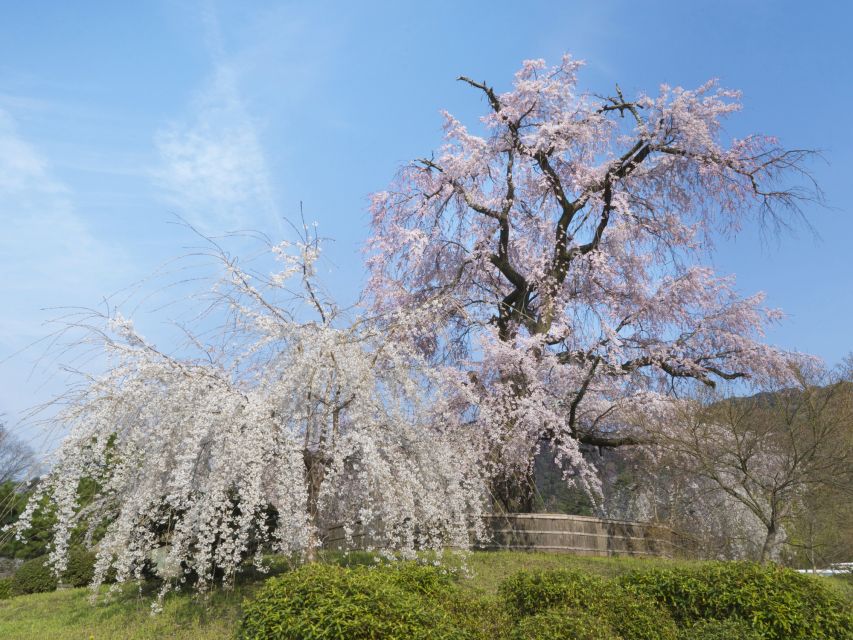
column 559, row 254
column 298, row 421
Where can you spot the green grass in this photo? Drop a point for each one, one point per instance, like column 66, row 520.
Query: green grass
column 488, row 569
column 842, row 584
column 67, row 614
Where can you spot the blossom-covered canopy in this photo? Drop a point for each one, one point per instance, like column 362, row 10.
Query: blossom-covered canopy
column 556, row 253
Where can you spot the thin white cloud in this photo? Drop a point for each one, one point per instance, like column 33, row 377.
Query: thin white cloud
column 212, row 166
column 21, row 168
column 45, row 247
column 48, row 258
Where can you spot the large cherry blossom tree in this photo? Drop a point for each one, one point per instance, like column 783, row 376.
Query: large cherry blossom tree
column 556, row 253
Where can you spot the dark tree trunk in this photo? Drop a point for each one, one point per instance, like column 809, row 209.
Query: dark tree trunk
column 515, row 492
column 315, row 473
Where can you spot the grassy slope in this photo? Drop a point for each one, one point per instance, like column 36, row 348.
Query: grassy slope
column 490, row 568
column 68, row 615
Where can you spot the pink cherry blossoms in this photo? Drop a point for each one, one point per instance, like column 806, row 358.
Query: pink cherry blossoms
column 556, row 255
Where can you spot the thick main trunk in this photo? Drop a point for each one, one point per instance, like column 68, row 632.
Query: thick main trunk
column 515, row 492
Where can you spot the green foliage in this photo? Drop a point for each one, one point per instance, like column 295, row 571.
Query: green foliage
column 481, row 617
column 553, row 495
column 778, row 603
column 635, row 616
column 562, row 623
column 6, row 588
column 34, row 576
column 432, row 603
column 731, row 629
column 628, row 613
column 319, row 601
column 81, row 567
column 528, row 593
column 40, row 534
column 427, row 580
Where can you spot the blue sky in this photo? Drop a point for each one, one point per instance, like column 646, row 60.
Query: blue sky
column 115, row 117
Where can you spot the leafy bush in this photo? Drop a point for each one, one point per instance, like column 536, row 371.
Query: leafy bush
column 635, row 616
column 731, row 629
column 561, row 623
column 778, row 603
column 81, row 567
column 320, row 601
column 40, row 533
column 629, row 614
column 34, row 576
column 6, row 588
column 528, row 593
column 430, row 581
column 480, row 617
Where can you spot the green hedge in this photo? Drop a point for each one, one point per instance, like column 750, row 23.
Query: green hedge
column 478, row 616
column 776, row 602
column 80, row 570
column 34, row 576
column 731, row 629
column 627, row 613
column 703, row 601
column 561, row 623
column 319, row 601
column 528, row 593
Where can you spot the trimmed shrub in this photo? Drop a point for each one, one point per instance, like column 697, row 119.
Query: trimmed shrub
column 6, row 588
column 80, row 570
column 562, row 623
column 319, row 601
column 34, row 576
column 627, row 613
column 778, row 603
column 731, row 629
column 635, row 616
column 427, row 580
column 481, row 617
column 528, row 593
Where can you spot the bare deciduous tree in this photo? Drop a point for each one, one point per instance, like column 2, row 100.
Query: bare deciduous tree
column 16, row 457
column 771, row 450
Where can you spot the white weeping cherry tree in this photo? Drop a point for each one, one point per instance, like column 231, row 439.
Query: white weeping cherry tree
column 293, row 419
